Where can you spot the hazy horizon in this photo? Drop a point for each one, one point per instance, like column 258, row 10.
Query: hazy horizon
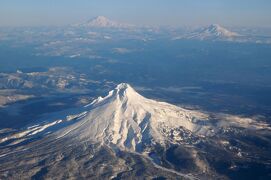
column 158, row 13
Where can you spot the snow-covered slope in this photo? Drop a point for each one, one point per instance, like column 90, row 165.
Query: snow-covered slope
column 128, row 120
column 212, row 32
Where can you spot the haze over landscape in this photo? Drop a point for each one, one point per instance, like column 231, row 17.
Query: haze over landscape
column 135, row 89
column 152, row 12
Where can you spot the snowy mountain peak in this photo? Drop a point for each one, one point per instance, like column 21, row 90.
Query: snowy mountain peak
column 103, row 22
column 130, row 121
column 211, row 32
column 124, row 90
column 124, row 119
column 142, row 133
column 122, row 93
column 217, row 30
column 123, row 86
column 216, row 26
column 101, row 18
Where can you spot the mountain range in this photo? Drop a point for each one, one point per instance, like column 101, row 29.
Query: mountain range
column 213, row 32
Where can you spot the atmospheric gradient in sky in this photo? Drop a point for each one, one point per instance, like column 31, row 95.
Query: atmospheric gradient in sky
column 152, row 12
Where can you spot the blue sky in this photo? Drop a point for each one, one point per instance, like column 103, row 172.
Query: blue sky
column 146, row 12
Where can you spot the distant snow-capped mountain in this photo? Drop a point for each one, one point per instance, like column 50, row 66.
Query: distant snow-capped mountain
column 103, row 22
column 212, row 32
column 217, row 31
